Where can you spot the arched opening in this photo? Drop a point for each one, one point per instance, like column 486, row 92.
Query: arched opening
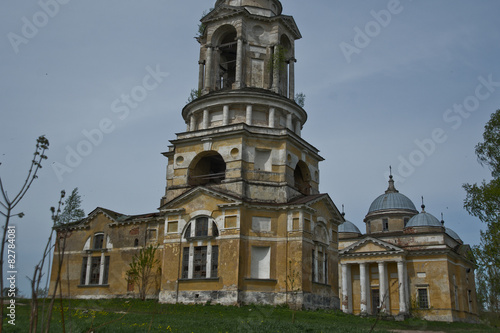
column 225, row 41
column 207, row 168
column 302, row 178
column 201, row 228
column 284, row 57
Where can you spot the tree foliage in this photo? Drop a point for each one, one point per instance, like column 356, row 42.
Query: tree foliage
column 300, row 99
column 194, row 94
column 144, row 270
column 72, row 211
column 483, row 202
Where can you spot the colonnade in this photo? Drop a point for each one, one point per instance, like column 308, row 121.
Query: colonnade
column 292, row 123
column 205, row 75
column 365, row 287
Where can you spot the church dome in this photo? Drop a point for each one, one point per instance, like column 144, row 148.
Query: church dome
column 391, row 199
column 424, row 219
column 453, row 234
column 348, row 227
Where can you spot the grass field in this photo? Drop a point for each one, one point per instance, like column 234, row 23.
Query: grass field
column 149, row 316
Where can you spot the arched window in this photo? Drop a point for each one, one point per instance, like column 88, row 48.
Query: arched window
column 320, row 255
column 302, row 178
column 136, row 242
column 207, row 168
column 200, row 256
column 199, row 228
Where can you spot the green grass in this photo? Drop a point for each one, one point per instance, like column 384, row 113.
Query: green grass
column 136, row 316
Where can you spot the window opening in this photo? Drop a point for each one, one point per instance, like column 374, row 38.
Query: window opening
column 302, row 178
column 106, row 271
column 209, row 169
column 215, row 262
column 98, row 241
column 95, row 269
column 215, row 230
column 314, row 265
column 227, row 65
column 185, row 263
column 201, row 227
column 385, row 223
column 423, row 299
column 200, row 262
column 375, row 300
column 83, row 276
column 187, row 234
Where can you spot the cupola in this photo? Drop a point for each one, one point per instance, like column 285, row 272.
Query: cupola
column 390, row 211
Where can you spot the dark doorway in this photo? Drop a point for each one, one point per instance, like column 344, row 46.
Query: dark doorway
column 375, row 301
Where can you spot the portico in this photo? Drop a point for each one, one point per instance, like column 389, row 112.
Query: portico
column 377, row 272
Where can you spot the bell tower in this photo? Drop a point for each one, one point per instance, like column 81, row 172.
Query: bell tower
column 242, row 206
column 244, row 128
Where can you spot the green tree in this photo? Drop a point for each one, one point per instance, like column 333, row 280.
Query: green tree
column 72, row 211
column 483, row 202
column 194, row 94
column 300, row 99
column 144, row 270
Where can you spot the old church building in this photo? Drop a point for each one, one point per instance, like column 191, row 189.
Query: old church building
column 242, row 211
column 407, row 260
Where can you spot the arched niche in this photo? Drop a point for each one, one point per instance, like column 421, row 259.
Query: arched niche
column 207, row 168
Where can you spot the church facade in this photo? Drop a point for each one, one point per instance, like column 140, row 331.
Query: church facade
column 242, row 220
column 407, row 262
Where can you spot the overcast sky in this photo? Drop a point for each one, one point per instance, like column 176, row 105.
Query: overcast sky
column 409, row 84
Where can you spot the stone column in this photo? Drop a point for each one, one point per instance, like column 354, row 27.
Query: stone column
column 208, row 70
column 225, row 115
column 402, row 288
column 289, row 121
column 272, row 114
column 208, row 267
column 298, row 128
column 201, row 74
column 101, row 269
column 87, row 274
column 249, row 114
column 363, row 286
column 192, row 123
column 291, row 85
column 382, row 271
column 239, row 63
column 191, row 258
column 276, row 70
column 205, row 119
column 316, row 263
column 346, row 288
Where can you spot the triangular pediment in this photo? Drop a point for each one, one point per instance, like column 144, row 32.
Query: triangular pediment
column 289, row 22
column 319, row 202
column 222, row 12
column 199, row 197
column 372, row 246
